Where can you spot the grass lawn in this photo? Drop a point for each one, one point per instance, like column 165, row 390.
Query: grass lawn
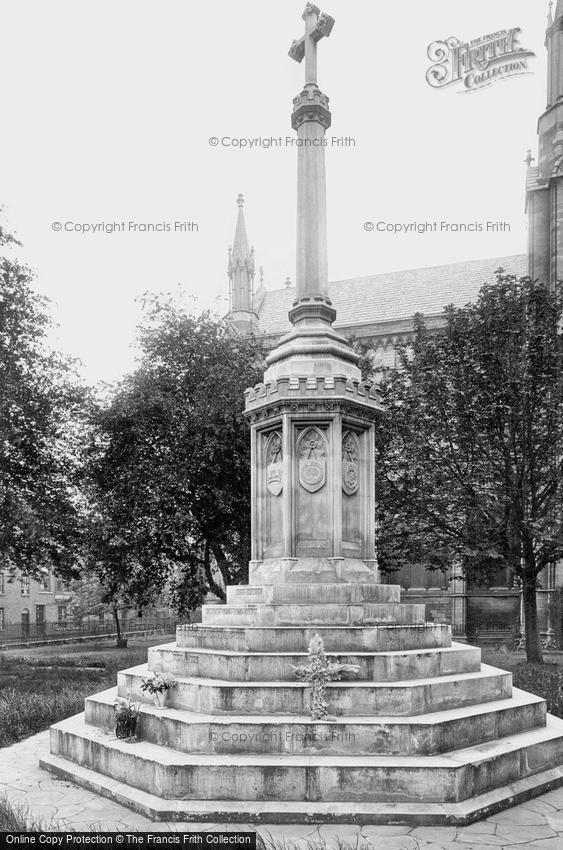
column 545, row 680
column 42, row 685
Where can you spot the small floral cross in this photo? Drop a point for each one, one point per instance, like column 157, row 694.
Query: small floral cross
column 318, row 673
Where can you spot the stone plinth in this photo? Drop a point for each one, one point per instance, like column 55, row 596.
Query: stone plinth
column 313, row 455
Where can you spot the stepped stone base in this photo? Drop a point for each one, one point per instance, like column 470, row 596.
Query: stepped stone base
column 427, row 734
column 364, row 614
column 198, row 811
column 277, row 666
column 423, row 734
column 297, row 638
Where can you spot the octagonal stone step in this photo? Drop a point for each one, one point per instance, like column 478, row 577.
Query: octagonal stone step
column 214, row 696
column 337, row 639
column 156, row 808
column 278, row 666
column 310, row 615
column 443, row 778
column 426, row 734
column 311, row 594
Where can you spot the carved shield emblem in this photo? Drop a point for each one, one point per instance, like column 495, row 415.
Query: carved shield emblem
column 274, row 478
column 312, row 460
column 350, row 463
column 274, row 465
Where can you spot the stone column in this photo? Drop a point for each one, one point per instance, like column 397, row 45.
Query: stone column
column 311, row 118
column 459, row 603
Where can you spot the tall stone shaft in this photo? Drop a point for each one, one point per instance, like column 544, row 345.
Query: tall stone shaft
column 311, row 119
column 313, row 419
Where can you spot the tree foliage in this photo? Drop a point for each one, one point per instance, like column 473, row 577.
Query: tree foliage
column 469, row 470
column 169, row 468
column 42, row 409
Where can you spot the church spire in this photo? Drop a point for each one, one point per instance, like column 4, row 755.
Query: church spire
column 241, row 252
column 241, row 271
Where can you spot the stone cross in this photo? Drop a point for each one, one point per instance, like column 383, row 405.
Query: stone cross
column 317, row 25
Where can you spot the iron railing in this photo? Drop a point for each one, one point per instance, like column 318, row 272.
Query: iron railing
column 18, row 633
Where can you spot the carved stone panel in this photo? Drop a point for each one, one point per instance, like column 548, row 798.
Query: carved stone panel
column 350, row 463
column 270, row 489
column 312, row 450
column 274, row 464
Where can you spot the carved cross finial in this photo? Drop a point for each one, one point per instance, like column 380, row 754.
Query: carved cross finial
column 529, row 158
column 317, row 25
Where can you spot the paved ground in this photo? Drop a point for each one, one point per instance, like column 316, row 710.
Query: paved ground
column 537, row 824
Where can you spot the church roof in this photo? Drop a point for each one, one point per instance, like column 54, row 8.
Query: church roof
column 394, row 296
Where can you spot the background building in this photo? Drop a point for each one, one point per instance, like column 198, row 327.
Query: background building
column 31, row 605
column 50, row 608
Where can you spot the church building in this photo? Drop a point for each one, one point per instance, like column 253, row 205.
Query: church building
column 379, row 309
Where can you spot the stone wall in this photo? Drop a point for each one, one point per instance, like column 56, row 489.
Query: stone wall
column 493, row 610
column 438, row 603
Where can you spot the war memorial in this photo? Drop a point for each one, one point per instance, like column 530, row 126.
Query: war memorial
column 420, row 732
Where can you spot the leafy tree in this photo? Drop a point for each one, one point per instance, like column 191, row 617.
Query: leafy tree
column 41, row 431
column 90, row 598
column 87, row 597
column 469, row 465
column 169, row 468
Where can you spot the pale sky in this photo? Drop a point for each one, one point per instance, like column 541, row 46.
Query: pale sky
column 107, row 112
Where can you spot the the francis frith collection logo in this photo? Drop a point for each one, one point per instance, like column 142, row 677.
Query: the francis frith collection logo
column 473, row 65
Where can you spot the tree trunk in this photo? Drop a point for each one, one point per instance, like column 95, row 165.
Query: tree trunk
column 117, row 624
column 533, row 648
column 213, row 587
